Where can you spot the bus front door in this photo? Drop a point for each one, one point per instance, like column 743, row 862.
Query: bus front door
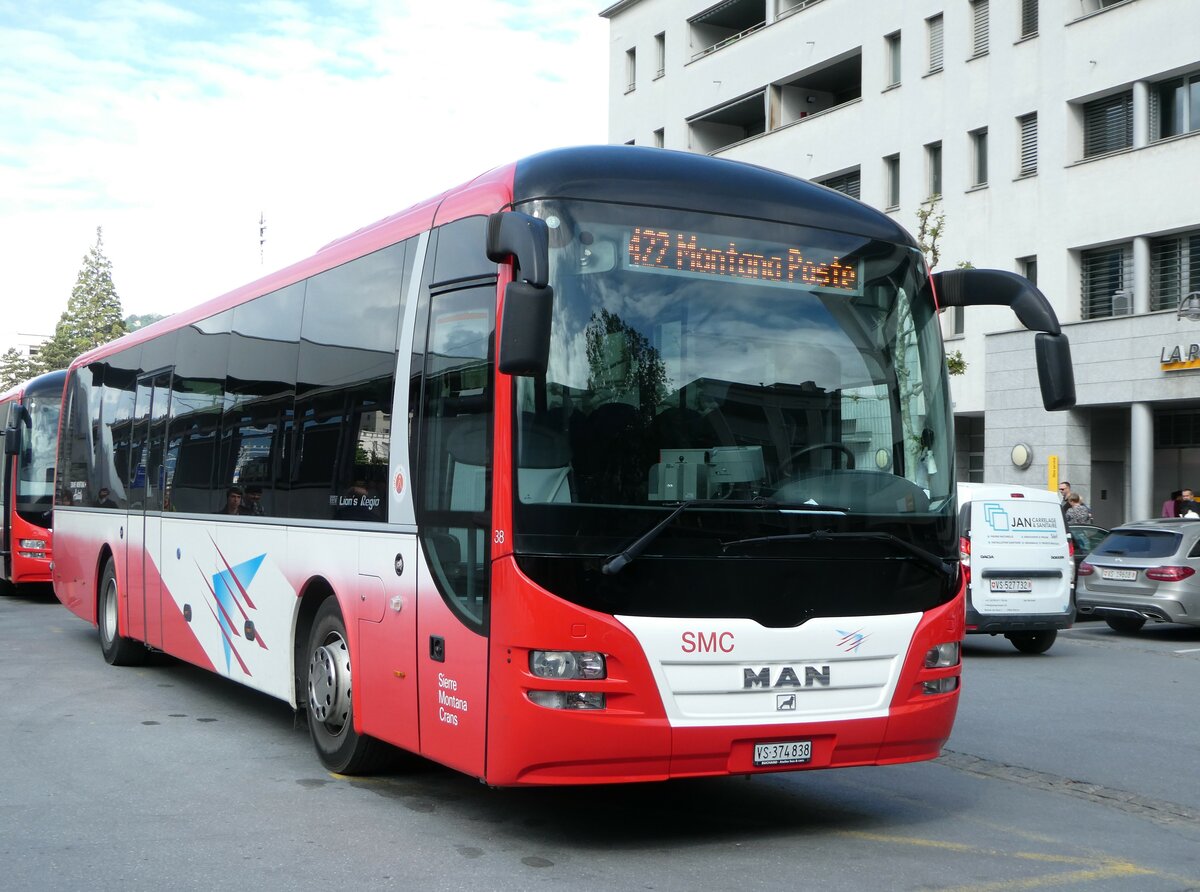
column 143, row 587
column 454, row 517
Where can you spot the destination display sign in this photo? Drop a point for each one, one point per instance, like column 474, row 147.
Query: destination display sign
column 676, row 252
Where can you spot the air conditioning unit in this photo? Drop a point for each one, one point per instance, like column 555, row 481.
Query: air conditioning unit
column 1122, row 303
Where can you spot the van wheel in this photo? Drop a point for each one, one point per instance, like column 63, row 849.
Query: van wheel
column 330, row 712
column 1126, row 625
column 1032, row 642
column 117, row 649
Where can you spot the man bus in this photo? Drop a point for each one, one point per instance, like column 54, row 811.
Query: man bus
column 29, row 415
column 613, row 464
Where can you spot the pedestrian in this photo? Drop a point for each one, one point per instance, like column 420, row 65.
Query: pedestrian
column 1170, row 508
column 1188, row 506
column 1077, row 511
column 1064, row 490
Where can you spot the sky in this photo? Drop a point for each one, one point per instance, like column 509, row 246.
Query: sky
column 175, row 126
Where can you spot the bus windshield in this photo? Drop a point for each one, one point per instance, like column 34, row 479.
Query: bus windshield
column 734, row 363
column 35, row 468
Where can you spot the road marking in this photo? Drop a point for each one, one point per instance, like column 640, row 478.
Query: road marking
column 1190, row 650
column 1110, row 868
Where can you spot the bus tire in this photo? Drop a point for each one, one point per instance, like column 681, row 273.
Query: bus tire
column 117, row 649
column 329, row 698
column 1032, row 642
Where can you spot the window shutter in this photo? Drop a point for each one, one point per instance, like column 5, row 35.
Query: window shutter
column 847, row 183
column 1174, row 269
column 1029, row 18
column 980, row 10
column 935, row 43
column 1028, row 124
column 1108, row 124
column 1105, row 272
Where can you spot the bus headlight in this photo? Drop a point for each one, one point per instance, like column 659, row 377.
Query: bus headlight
column 567, row 699
column 567, row 664
column 943, row 656
column 34, row 544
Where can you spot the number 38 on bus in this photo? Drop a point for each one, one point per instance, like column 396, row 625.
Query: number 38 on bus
column 614, row 464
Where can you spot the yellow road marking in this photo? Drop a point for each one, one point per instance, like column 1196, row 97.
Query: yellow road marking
column 1108, row 868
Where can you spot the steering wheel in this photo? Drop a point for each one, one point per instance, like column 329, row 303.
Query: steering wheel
column 835, row 447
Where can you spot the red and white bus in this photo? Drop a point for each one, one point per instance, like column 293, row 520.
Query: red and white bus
column 614, row 464
column 29, row 417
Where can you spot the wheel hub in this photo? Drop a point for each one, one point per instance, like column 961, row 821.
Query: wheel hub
column 329, row 682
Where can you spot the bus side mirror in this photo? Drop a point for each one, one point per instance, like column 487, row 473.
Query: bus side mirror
column 997, row 287
column 526, row 240
column 12, row 441
column 1055, row 373
column 525, row 329
column 529, row 304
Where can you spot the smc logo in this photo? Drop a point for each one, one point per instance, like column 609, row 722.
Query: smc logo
column 706, row 642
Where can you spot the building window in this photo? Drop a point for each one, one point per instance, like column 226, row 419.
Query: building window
column 891, row 166
column 979, row 19
column 1028, row 128
column 979, row 151
column 1108, row 125
column 1175, row 108
column 1176, row 428
column 893, row 50
column 630, row 70
column 847, row 183
column 1029, row 18
column 1106, row 275
column 935, row 43
column 969, row 434
column 660, row 54
column 933, row 158
column 1028, row 268
column 660, row 137
column 1174, row 269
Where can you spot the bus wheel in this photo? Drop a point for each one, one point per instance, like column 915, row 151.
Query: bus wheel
column 1032, row 642
column 330, row 712
column 117, row 649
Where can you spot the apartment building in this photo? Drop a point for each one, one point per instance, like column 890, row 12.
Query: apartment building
column 1056, row 138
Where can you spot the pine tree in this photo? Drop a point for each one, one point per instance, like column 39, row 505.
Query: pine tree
column 93, row 315
column 15, row 368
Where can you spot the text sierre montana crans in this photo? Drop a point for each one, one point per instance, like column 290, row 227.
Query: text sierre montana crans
column 681, row 252
column 450, row 705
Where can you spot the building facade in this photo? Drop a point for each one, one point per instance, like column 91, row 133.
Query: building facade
column 1056, row 138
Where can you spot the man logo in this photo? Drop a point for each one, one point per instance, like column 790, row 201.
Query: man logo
column 785, row 702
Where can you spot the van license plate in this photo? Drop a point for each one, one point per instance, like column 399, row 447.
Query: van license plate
column 791, row 752
column 1011, row 585
column 1124, row 575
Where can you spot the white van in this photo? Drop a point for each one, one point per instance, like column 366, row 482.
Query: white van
column 1017, row 560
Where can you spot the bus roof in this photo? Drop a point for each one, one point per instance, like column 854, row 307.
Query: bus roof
column 637, row 175
column 654, row 177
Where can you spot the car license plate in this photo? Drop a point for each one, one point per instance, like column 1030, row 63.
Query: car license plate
column 791, row 752
column 1125, row 575
column 1011, row 585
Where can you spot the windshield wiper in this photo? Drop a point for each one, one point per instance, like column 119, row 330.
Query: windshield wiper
column 926, row 557
column 617, row 562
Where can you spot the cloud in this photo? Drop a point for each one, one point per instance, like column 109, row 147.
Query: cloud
column 174, row 128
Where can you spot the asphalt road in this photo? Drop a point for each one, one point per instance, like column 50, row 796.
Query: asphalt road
column 1077, row 769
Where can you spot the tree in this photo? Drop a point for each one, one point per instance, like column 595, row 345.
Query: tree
column 931, row 221
column 93, row 315
column 15, row 368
